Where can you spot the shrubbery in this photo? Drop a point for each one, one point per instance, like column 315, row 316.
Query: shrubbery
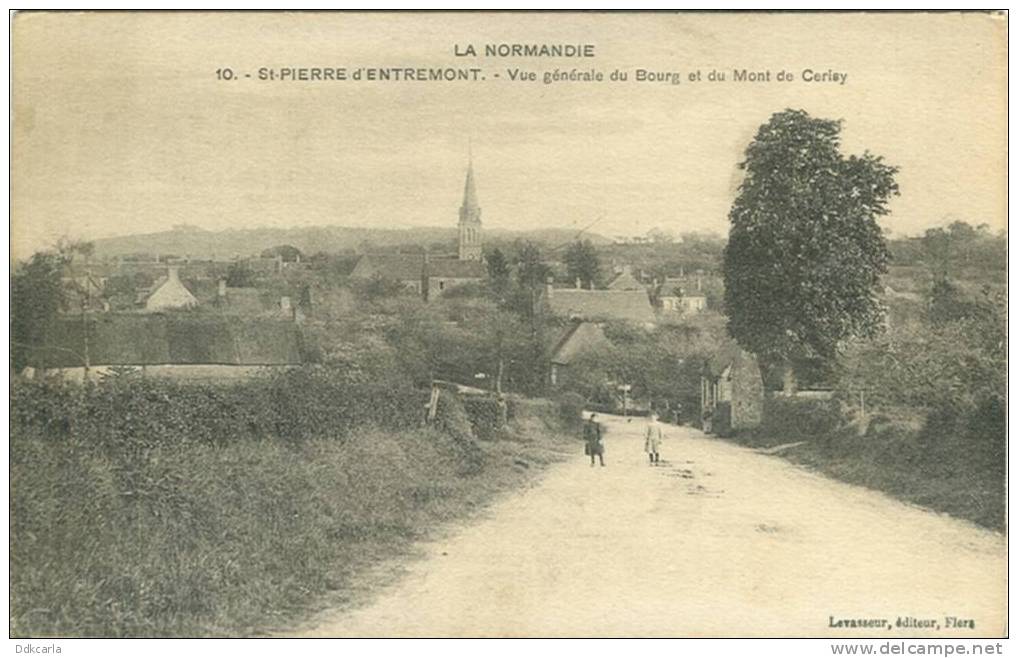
column 570, row 406
column 800, row 419
column 487, row 416
column 294, row 406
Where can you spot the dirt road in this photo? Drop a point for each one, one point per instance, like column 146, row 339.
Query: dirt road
column 716, row 541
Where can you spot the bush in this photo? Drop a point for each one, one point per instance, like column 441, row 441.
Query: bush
column 570, row 408
column 451, row 420
column 487, row 416
column 533, row 415
column 800, row 419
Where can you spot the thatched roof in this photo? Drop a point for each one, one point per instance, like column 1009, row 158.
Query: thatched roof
column 170, row 339
column 456, row 269
column 412, row 267
column 727, row 355
column 401, row 267
column 579, row 338
column 630, row 305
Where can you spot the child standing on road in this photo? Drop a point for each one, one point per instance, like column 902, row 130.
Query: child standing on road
column 594, row 443
column 653, row 436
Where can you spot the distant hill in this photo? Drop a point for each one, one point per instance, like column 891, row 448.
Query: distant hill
column 198, row 243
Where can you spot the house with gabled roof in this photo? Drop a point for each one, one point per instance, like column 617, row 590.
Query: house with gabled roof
column 408, row 269
column 625, row 280
column 169, row 293
column 731, row 391
column 578, row 339
column 183, row 346
column 597, row 305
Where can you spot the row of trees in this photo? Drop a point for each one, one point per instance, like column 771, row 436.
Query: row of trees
column 950, row 251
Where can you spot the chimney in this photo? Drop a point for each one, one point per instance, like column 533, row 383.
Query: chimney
column 173, row 273
column 222, row 290
column 548, row 287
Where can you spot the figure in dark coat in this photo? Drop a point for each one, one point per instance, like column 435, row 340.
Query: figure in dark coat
column 593, row 441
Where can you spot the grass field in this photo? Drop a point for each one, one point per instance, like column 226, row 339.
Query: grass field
column 234, row 540
column 942, row 478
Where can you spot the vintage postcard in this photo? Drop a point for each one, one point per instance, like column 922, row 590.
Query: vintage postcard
column 509, row 324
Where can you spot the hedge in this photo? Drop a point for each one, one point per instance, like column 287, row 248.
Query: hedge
column 128, row 414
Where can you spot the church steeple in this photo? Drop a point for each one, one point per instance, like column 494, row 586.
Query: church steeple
column 470, row 218
column 470, row 189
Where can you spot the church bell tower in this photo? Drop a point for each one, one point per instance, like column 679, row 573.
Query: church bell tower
column 470, row 219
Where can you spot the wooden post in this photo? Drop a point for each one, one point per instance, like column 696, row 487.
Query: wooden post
column 433, row 403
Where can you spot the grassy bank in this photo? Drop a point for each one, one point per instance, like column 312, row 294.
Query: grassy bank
column 237, row 538
column 921, row 463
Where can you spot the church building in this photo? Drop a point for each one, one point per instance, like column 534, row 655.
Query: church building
column 470, row 220
column 428, row 275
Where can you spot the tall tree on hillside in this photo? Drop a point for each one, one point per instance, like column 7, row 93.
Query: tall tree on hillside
column 805, row 252
column 498, row 269
column 582, row 263
column 531, row 270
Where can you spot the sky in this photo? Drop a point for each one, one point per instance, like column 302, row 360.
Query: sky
column 120, row 125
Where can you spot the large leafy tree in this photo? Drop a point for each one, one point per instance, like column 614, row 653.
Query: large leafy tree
column 582, row 263
column 36, row 295
column 288, row 252
column 531, row 274
column 498, row 270
column 805, row 252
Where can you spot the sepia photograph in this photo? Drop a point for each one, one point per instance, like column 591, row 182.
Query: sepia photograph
column 509, row 324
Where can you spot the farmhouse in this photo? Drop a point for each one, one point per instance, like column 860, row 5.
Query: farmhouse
column 183, row 346
column 593, row 305
column 731, row 392
column 578, row 339
column 625, row 280
column 419, row 273
column 169, row 293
